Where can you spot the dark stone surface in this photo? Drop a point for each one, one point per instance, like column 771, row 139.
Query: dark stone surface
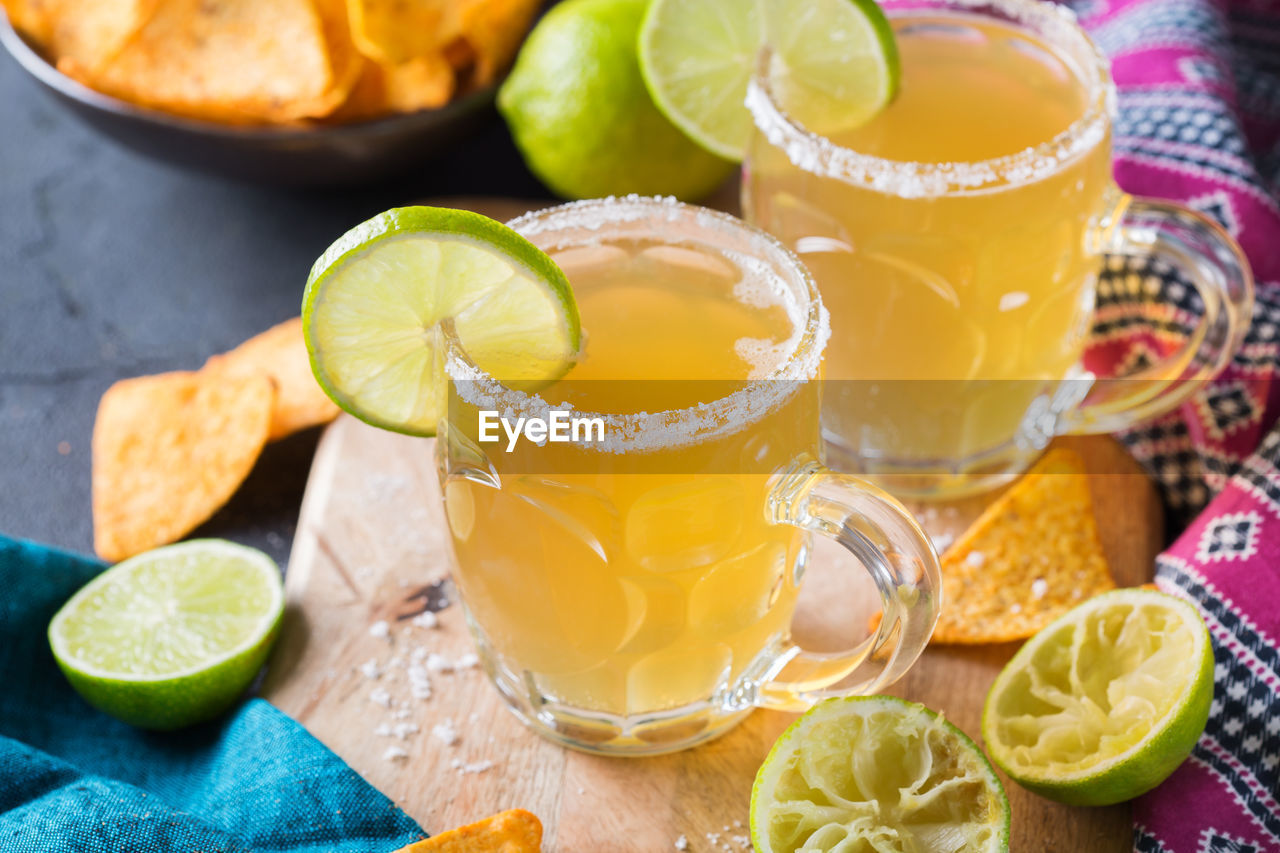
column 114, row 266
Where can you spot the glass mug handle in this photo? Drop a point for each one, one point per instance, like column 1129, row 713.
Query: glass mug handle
column 1215, row 266
column 881, row 534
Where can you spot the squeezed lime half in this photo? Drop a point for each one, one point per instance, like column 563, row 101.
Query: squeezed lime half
column 879, row 774
column 1106, row 701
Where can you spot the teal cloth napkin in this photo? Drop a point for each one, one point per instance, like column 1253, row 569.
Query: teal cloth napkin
column 73, row 780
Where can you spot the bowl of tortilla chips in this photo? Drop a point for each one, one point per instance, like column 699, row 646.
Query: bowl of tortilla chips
column 292, row 92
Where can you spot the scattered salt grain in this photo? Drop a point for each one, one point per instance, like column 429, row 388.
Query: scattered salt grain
column 381, row 630
column 380, row 697
column 1039, row 588
column 403, row 730
column 742, row 841
column 383, row 730
column 419, row 683
column 401, row 714
column 682, row 843
column 445, row 732
column 370, row 669
column 438, row 663
column 475, row 767
column 975, row 559
column 394, row 753
column 426, row 619
column 942, row 541
column 467, row 661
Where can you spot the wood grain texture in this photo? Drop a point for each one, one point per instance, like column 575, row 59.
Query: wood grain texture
column 371, row 534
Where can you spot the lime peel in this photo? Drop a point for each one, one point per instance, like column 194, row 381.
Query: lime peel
column 1106, row 701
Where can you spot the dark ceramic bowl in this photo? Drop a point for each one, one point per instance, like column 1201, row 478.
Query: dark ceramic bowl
column 322, row 156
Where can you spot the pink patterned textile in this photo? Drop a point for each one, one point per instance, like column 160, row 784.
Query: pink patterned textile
column 1199, row 122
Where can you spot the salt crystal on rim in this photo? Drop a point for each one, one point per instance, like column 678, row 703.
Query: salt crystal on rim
column 975, row 559
column 1039, row 588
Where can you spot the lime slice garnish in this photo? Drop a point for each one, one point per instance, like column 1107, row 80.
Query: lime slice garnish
column 877, row 773
column 1104, row 702
column 377, row 300
column 834, row 63
column 173, row 636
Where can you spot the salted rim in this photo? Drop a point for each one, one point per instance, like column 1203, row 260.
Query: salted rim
column 910, row 179
column 676, row 224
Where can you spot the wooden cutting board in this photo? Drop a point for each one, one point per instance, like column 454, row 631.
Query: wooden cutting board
column 371, row 543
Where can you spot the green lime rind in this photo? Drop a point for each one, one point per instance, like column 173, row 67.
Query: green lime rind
column 580, row 113
column 1144, row 764
column 990, row 835
column 387, row 286
column 835, row 64
column 95, row 640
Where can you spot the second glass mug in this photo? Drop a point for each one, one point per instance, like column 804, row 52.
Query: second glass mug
column 962, row 293
column 632, row 595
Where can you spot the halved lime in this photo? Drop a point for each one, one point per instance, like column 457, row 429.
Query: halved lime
column 173, row 636
column 377, row 300
column 879, row 774
column 1104, row 702
column 834, row 63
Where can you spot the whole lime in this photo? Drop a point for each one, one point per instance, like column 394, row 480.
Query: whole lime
column 579, row 111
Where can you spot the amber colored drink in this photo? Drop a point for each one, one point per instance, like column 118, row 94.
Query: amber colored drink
column 957, row 295
column 637, row 592
column 631, row 590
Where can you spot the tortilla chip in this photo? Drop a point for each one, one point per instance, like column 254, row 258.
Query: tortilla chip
column 419, row 84
column 514, row 831
column 280, row 354
column 168, row 451
column 396, row 31
column 1033, row 555
column 346, row 63
column 32, row 18
column 492, row 31
column 90, row 33
column 224, row 60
